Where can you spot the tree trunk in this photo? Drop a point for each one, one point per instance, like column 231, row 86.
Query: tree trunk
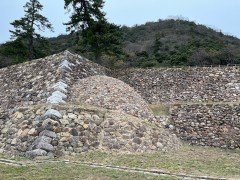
column 98, row 58
column 30, row 48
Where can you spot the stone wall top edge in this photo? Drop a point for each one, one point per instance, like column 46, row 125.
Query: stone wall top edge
column 183, row 68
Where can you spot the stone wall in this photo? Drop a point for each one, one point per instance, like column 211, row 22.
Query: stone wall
column 33, row 82
column 208, row 124
column 111, row 93
column 198, row 84
column 33, row 131
column 53, row 129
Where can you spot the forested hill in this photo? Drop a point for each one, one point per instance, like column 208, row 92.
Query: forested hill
column 163, row 43
column 178, row 42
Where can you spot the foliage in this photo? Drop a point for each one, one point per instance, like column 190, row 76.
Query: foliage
column 13, row 51
column 84, row 13
column 163, row 43
column 102, row 37
column 25, row 28
column 180, row 43
column 97, row 36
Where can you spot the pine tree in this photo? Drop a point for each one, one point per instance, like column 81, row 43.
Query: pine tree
column 97, row 35
column 85, row 12
column 102, row 38
column 25, row 28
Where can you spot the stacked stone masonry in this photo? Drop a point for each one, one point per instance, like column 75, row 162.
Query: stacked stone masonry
column 26, row 128
column 208, row 124
column 32, row 82
column 197, row 84
column 29, row 131
column 36, row 118
column 192, row 88
column 111, row 93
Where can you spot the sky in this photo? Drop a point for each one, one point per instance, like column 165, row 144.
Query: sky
column 219, row 14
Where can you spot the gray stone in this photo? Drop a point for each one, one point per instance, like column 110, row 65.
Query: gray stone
column 51, row 113
column 137, row 140
column 44, row 146
column 48, row 133
column 42, row 139
column 36, row 153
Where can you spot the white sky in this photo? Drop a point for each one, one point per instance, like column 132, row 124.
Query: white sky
column 219, row 14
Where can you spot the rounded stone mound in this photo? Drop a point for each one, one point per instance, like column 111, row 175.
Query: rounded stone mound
column 111, row 93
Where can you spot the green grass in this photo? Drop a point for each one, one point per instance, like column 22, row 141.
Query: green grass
column 68, row 171
column 160, row 110
column 193, row 160
column 164, row 109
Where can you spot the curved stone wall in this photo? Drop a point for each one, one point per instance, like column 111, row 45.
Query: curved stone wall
column 111, row 93
column 30, row 131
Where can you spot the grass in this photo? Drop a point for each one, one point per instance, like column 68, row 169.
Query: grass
column 68, row 171
column 164, row 109
column 193, row 160
column 160, row 110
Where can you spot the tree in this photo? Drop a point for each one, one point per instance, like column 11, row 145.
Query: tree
column 13, row 52
column 85, row 12
column 25, row 28
column 102, row 37
column 97, row 35
column 157, row 49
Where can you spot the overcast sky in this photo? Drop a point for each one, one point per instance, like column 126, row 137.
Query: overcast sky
column 219, row 14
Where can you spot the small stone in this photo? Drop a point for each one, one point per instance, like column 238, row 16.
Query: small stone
column 50, row 122
column 85, row 126
column 42, row 139
column 64, row 121
column 14, row 141
column 74, row 132
column 52, row 113
column 50, row 155
column 25, row 132
column 65, row 134
column 45, row 146
column 72, row 116
column 95, row 117
column 48, row 133
column 19, row 132
column 159, row 145
column 25, row 126
column 18, row 115
column 35, row 153
column 38, row 112
column 137, row 140
column 4, row 130
column 64, row 139
column 54, row 142
column 32, row 132
column 79, row 121
column 56, row 129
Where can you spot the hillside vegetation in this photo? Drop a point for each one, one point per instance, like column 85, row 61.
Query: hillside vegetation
column 162, row 43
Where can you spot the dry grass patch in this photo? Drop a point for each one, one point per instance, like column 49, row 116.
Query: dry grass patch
column 193, row 160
